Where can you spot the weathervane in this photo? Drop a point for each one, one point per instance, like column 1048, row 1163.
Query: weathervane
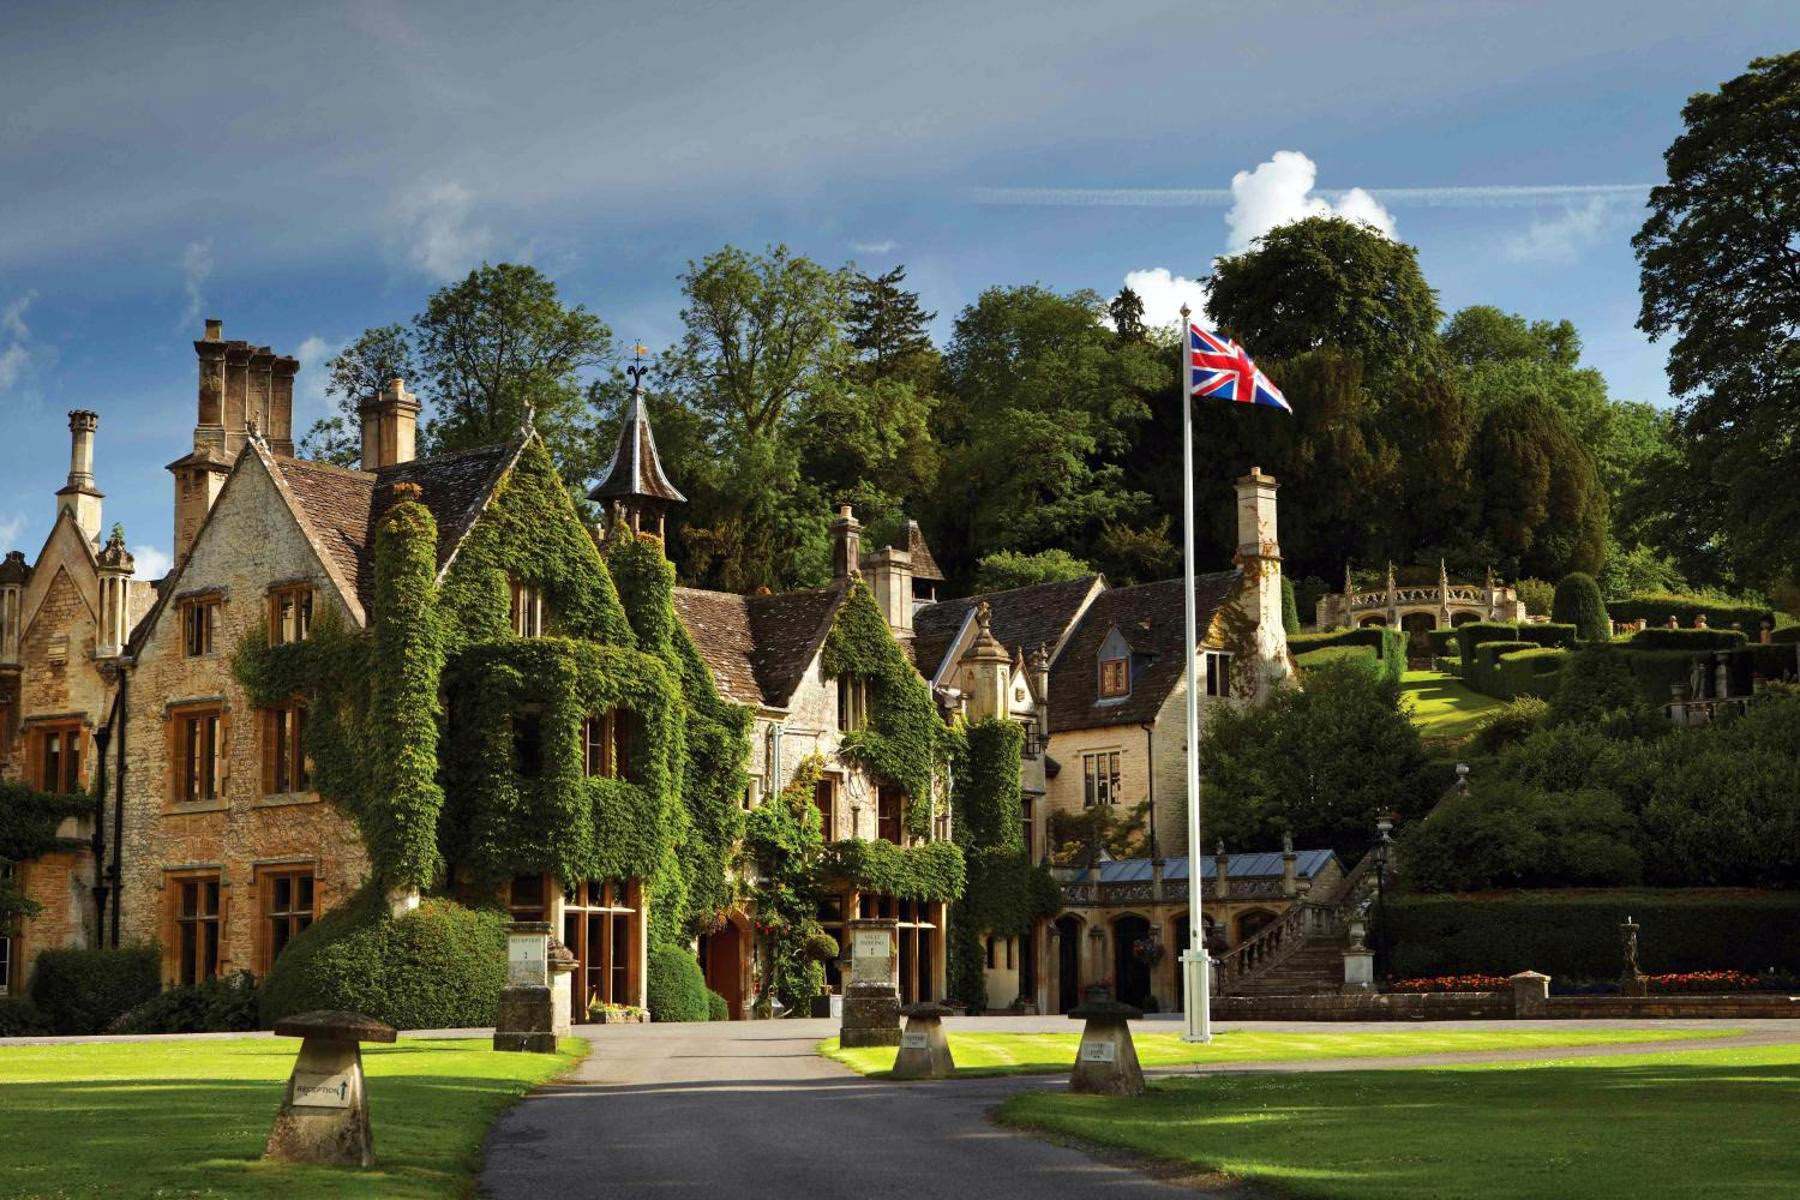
column 638, row 368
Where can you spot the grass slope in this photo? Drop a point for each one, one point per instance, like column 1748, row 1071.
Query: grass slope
column 1718, row 1123
column 1442, row 706
column 1044, row 1053
column 189, row 1118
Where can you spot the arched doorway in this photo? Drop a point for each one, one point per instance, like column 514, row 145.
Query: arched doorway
column 1418, row 626
column 1131, row 970
column 1068, row 962
column 1463, row 618
column 1368, row 622
column 722, row 960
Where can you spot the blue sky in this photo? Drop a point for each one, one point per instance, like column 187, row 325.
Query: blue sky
column 305, row 171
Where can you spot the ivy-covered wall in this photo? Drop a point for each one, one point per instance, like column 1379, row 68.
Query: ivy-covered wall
column 28, row 823
column 905, row 741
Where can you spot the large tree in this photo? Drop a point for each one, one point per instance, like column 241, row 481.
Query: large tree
column 486, row 351
column 1720, row 261
column 889, row 329
column 1325, row 282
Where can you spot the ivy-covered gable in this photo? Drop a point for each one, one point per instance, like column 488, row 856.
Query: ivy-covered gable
column 905, row 742
column 530, row 533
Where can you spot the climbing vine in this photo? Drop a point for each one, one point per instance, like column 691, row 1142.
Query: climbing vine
column 905, row 741
column 28, row 821
column 781, row 854
column 930, row 871
column 1006, row 892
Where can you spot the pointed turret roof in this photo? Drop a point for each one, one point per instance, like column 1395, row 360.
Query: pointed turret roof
column 636, row 469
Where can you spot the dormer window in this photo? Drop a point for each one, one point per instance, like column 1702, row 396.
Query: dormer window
column 527, row 610
column 1115, row 678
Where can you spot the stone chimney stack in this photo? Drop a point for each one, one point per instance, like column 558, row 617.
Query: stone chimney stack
column 846, row 544
column 1259, row 557
column 890, row 575
column 115, row 569
column 390, row 427
column 280, row 431
column 80, row 496
column 1040, row 677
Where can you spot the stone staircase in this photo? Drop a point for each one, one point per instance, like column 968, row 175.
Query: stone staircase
column 1316, row 965
column 1303, row 952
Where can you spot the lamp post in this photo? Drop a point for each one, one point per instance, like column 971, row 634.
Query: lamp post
column 1384, row 842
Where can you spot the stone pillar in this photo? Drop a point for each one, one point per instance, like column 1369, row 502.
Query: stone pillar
column 846, row 544
column 1359, row 960
column 1531, row 995
column 1106, row 1062
column 527, row 1020
column 872, row 997
column 924, row 1048
column 324, row 1116
column 1221, row 873
column 1290, row 869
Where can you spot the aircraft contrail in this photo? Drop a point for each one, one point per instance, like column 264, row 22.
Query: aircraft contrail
column 1478, row 196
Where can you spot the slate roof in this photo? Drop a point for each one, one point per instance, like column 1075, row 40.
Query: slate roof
column 759, row 646
column 636, row 468
column 1149, row 617
column 343, row 505
column 1262, row 865
column 1021, row 618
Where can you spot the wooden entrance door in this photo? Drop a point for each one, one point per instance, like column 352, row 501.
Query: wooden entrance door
column 722, row 959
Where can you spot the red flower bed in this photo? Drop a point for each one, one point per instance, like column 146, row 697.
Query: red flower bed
column 1702, row 982
column 1453, row 983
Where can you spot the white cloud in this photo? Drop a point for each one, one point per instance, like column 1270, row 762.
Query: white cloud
column 15, row 355
column 883, row 247
column 1280, row 191
column 1163, row 294
column 12, row 317
column 1561, row 238
column 434, row 225
column 309, row 392
column 13, row 361
column 11, row 526
column 151, row 562
column 196, row 269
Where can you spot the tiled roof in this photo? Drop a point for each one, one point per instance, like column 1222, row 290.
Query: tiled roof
column 1149, row 617
column 1021, row 618
column 759, row 646
column 342, row 505
column 14, row 569
column 636, row 468
column 719, row 623
column 924, row 565
column 1261, row 865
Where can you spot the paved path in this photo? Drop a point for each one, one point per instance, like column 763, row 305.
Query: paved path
column 748, row 1110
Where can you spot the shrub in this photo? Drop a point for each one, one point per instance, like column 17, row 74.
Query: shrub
column 1694, row 641
column 1389, row 645
column 1787, row 635
column 1578, row 603
column 84, row 991
column 1511, row 724
column 1453, row 983
column 1657, row 608
column 1529, row 673
column 1502, row 833
column 19, row 1017
column 1598, row 680
column 717, row 1009
column 1443, row 642
column 1537, row 595
column 1449, row 665
column 227, row 1005
column 675, row 988
column 1575, row 933
column 1482, row 671
column 1359, row 656
column 1290, row 610
column 441, row 966
column 1549, row 634
column 1475, row 633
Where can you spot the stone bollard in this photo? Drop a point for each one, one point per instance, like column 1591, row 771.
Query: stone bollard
column 1106, row 1062
column 1531, row 995
column 529, row 1012
column 872, row 999
column 924, row 1047
column 324, row 1115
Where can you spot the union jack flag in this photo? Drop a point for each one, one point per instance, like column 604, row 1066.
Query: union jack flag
column 1219, row 368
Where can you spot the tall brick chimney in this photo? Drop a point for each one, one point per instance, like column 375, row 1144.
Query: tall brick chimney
column 80, row 496
column 390, row 427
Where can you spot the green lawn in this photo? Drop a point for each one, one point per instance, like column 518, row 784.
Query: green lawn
column 1442, row 706
column 189, row 1118
column 1044, row 1053
column 1715, row 1123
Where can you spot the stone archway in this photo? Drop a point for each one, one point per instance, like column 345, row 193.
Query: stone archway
column 1463, row 618
column 1250, row 923
column 1371, row 621
column 1131, row 971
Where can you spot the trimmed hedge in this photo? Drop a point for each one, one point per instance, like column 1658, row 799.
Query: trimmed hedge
column 1694, row 641
column 84, row 991
column 1787, row 635
column 717, row 1007
column 675, row 989
column 1770, row 661
column 1475, row 633
column 1388, row 645
column 19, row 1017
column 441, row 966
column 1482, row 671
column 1578, row 603
column 1443, row 642
column 1549, row 634
column 1574, row 933
column 1533, row 673
column 1656, row 609
column 1362, row 656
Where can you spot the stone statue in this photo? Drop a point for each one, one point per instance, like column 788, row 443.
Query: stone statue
column 1628, row 945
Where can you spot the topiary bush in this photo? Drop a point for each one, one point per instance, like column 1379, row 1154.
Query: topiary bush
column 1290, row 610
column 84, row 991
column 1578, row 603
column 1388, row 645
column 675, row 988
column 1550, row 634
column 227, row 1005
column 1474, row 633
column 717, row 1008
column 440, row 966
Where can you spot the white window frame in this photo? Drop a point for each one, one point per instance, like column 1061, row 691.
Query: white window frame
column 1215, row 672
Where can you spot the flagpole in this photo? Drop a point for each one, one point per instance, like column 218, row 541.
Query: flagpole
column 1196, row 990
